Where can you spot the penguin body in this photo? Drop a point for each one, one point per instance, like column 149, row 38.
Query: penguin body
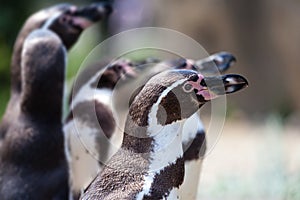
column 32, row 160
column 87, row 134
column 194, row 138
column 33, row 164
column 150, row 164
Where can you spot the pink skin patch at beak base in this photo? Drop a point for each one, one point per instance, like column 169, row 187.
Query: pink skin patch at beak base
column 202, row 90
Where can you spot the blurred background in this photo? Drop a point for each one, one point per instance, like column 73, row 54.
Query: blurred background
column 258, row 153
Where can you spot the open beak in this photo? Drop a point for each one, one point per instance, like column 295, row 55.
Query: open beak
column 225, row 84
column 209, row 88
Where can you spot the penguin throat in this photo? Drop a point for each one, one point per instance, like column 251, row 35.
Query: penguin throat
column 165, row 159
column 166, row 145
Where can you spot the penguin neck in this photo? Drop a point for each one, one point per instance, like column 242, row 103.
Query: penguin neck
column 42, row 102
column 166, row 146
column 31, row 24
column 43, row 74
column 90, row 92
column 161, row 145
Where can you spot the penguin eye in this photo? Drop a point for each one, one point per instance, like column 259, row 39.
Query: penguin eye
column 118, row 67
column 187, row 87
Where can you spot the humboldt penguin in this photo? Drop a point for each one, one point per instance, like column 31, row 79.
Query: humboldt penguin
column 150, row 163
column 91, row 123
column 32, row 159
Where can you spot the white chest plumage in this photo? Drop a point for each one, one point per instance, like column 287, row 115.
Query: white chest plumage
column 81, row 140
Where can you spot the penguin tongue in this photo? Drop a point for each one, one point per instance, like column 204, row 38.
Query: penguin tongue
column 81, row 22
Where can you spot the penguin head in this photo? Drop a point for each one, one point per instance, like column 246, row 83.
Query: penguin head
column 70, row 23
column 216, row 63
column 223, row 60
column 183, row 63
column 177, row 94
column 43, row 69
column 121, row 69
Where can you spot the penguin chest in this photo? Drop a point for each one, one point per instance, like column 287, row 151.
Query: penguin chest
column 81, row 153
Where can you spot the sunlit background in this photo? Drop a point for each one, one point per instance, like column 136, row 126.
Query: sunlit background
column 258, row 154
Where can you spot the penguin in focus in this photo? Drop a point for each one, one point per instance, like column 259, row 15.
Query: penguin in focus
column 194, row 137
column 32, row 160
column 91, row 123
column 68, row 22
column 150, row 164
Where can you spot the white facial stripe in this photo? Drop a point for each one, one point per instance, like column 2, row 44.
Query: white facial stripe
column 167, row 143
column 51, row 20
column 155, row 126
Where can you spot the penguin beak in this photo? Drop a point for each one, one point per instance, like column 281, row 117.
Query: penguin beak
column 219, row 62
column 209, row 88
column 86, row 16
column 225, row 84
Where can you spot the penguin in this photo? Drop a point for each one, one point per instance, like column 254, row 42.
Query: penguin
column 12, row 142
column 150, row 164
column 32, row 159
column 96, row 122
column 68, row 22
column 194, row 138
column 116, row 137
